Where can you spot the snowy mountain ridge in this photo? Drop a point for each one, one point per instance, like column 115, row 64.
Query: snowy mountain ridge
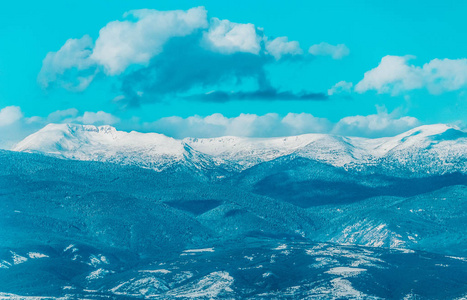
column 432, row 149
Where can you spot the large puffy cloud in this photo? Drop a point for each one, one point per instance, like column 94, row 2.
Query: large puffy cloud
column 176, row 54
column 395, row 75
column 120, row 44
column 377, row 125
column 325, row 49
column 123, row 43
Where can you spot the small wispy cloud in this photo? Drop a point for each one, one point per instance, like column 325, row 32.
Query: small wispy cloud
column 258, row 95
column 341, row 88
column 324, row 49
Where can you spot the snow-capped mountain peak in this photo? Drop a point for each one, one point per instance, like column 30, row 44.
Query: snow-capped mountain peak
column 104, row 143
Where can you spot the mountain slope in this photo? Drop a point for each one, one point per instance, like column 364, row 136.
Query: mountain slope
column 102, row 230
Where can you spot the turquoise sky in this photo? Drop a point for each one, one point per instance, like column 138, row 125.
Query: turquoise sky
column 370, row 30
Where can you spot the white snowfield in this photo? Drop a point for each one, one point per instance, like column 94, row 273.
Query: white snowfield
column 432, row 149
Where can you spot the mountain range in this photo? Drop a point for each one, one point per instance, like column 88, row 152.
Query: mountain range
column 429, row 149
column 92, row 212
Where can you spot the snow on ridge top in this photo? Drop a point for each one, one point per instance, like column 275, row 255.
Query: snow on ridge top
column 421, row 137
column 53, row 135
column 428, row 130
column 442, row 144
column 87, row 133
column 227, row 143
column 234, row 144
column 89, row 142
column 70, row 127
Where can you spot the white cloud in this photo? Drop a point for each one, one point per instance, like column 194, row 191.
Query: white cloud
column 273, row 125
column 342, row 87
column 60, row 115
column 74, row 54
column 100, row 118
column 377, row 125
column 445, row 75
column 325, row 49
column 15, row 126
column 281, row 46
column 122, row 43
column 229, row 37
column 10, row 115
column 145, row 40
column 72, row 115
column 395, row 75
column 392, row 75
column 305, row 123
